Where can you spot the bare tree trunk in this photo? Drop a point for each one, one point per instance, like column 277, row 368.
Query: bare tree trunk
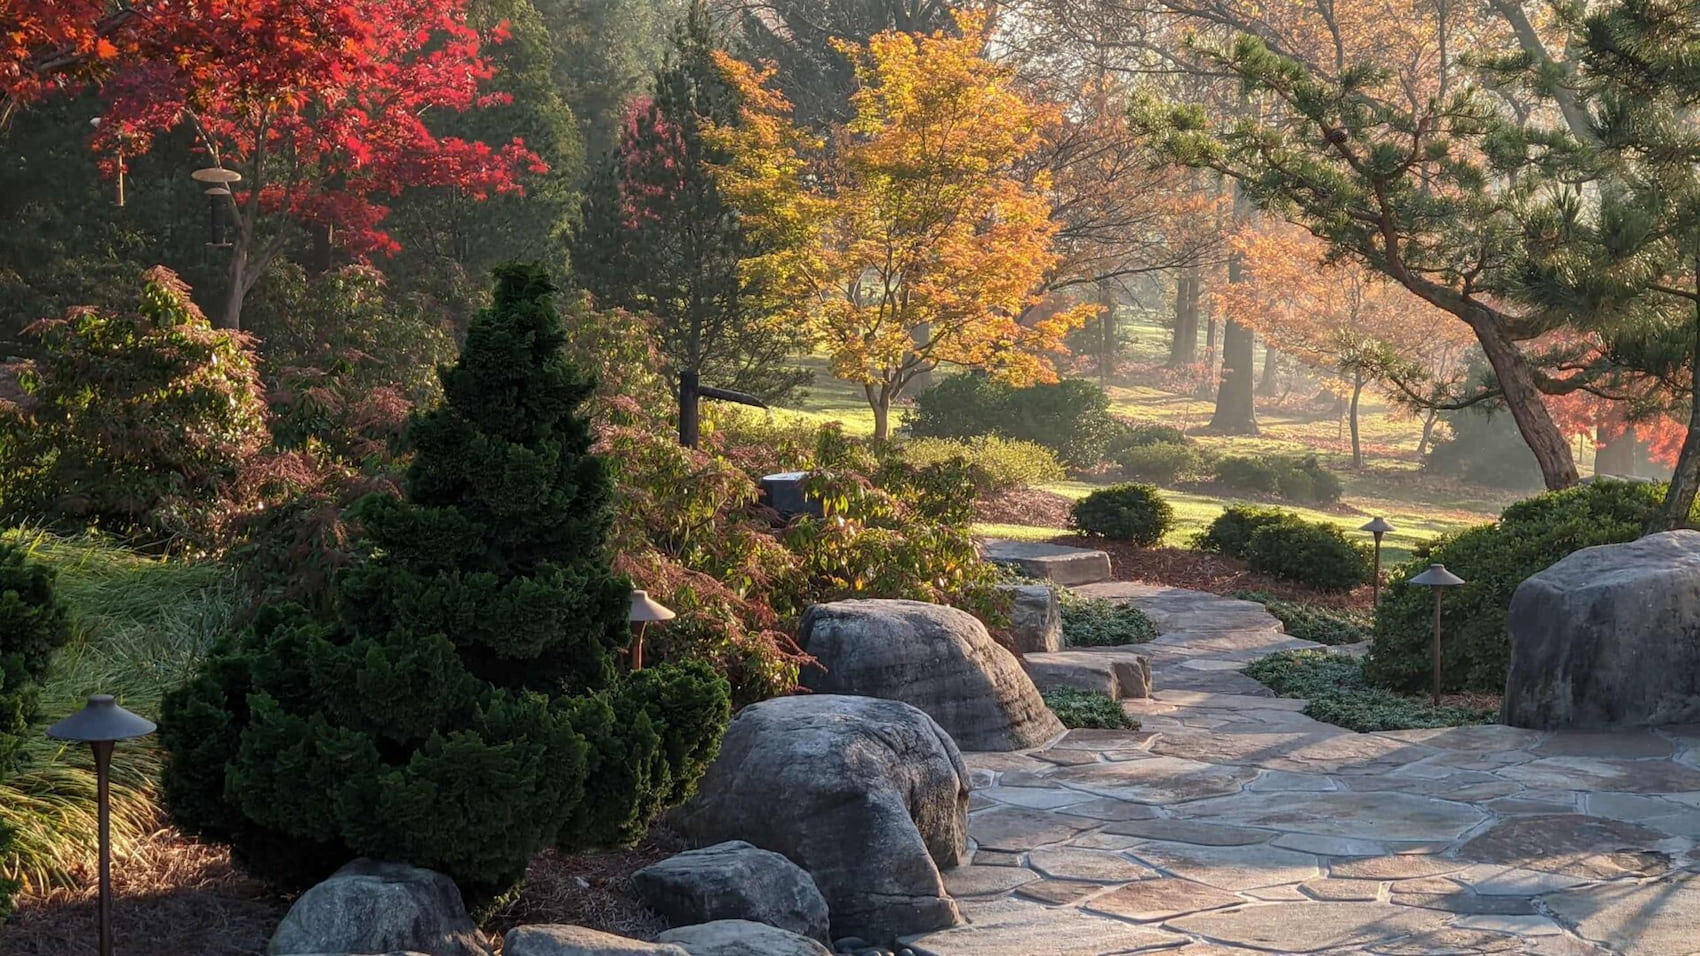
column 1235, row 413
column 1523, row 398
column 1430, row 416
column 880, row 402
column 1357, row 445
column 1106, row 332
column 231, row 317
column 1685, row 480
column 1614, row 454
column 1267, row 385
column 1183, row 350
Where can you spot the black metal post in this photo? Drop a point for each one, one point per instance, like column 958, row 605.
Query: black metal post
column 1434, row 694
column 1375, row 582
column 103, row 797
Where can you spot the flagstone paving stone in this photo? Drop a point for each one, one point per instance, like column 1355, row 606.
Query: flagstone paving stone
column 1231, row 823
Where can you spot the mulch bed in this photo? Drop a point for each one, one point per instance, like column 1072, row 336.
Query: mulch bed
column 1204, row 571
column 1024, row 506
column 177, row 897
column 174, row 897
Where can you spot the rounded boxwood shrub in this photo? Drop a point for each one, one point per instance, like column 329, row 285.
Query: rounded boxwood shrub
column 1312, row 554
column 1304, row 480
column 994, row 464
column 1248, row 474
column 1493, row 559
column 34, row 623
column 1070, row 417
column 1162, row 463
column 1150, row 433
column 460, row 709
column 1128, row 512
column 1231, row 532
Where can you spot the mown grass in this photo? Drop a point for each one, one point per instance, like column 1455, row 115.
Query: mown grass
column 140, row 624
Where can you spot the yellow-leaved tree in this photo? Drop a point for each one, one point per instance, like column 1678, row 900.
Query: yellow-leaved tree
column 930, row 241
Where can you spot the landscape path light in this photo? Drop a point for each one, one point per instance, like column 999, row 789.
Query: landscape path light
column 1438, row 578
column 1378, row 526
column 644, row 609
column 101, row 724
column 219, row 201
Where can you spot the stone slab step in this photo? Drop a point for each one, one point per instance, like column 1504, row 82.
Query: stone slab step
column 1049, row 562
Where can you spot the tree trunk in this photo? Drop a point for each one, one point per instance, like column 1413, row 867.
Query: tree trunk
column 1534, row 423
column 1267, row 385
column 1685, row 480
column 1357, row 445
column 1429, row 418
column 1183, row 350
column 231, row 317
column 1210, row 342
column 1106, row 332
column 1614, row 451
column 1235, row 413
column 880, row 402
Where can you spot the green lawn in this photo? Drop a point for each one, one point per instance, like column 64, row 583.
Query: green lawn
column 1389, row 483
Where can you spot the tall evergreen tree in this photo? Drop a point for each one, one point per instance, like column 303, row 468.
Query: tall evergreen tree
column 605, row 53
column 658, row 236
column 462, row 710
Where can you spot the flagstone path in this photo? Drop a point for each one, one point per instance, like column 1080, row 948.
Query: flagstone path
column 1232, row 823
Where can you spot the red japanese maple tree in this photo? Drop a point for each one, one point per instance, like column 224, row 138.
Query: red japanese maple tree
column 322, row 106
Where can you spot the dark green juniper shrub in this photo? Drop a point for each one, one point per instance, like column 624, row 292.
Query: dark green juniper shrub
column 1313, row 554
column 1231, row 532
column 460, row 709
column 1127, row 512
column 1088, row 708
column 1095, row 622
column 1493, row 559
column 1338, row 694
column 34, row 623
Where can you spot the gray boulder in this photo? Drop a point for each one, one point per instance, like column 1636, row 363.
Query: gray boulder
column 579, row 941
column 737, row 937
column 937, row 658
column 1609, row 637
column 733, row 881
column 869, row 796
column 374, row 907
column 1058, row 564
column 1035, row 618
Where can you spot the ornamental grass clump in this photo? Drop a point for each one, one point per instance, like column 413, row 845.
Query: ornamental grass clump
column 460, row 708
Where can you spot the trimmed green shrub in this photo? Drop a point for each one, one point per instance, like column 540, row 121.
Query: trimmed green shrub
column 34, row 623
column 461, row 710
column 145, row 423
column 1070, row 417
column 1248, row 474
column 1088, row 708
column 1231, row 532
column 1095, row 622
column 1127, row 512
column 1493, row 559
column 995, row 464
column 1337, row 693
column 1304, row 480
column 1161, row 463
column 1312, row 622
column 1149, row 433
column 1312, row 554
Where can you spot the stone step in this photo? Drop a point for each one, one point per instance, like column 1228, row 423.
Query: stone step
column 1049, row 562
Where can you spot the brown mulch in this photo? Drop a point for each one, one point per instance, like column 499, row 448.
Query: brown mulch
column 587, row 889
column 173, row 896
column 1204, row 571
column 1024, row 506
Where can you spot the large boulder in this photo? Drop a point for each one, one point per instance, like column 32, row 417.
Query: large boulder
column 733, row 881
column 1609, row 637
column 737, row 937
column 937, row 658
column 374, row 907
column 869, row 796
column 1035, row 618
column 562, row 940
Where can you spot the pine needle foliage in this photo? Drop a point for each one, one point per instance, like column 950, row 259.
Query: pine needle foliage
column 461, row 709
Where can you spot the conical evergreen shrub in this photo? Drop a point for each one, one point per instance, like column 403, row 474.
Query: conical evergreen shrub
column 462, row 709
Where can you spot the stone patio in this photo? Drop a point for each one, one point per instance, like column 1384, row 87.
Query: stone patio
column 1232, row 823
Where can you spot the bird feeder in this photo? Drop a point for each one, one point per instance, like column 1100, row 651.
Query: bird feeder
column 219, row 202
